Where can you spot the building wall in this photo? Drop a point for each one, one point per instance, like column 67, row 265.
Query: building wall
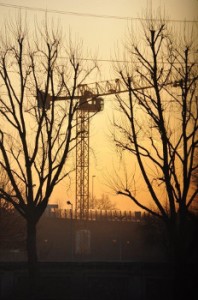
column 62, row 239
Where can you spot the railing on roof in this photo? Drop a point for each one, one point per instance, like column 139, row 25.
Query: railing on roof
column 95, row 215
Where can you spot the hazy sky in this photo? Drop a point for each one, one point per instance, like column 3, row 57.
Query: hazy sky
column 101, row 36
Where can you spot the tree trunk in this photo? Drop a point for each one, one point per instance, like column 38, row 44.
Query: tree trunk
column 32, row 258
column 178, row 259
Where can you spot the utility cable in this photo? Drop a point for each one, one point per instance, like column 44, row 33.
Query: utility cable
column 78, row 14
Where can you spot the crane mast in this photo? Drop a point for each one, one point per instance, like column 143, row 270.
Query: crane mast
column 82, row 164
column 88, row 103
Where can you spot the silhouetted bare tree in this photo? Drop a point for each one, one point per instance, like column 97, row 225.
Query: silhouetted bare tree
column 37, row 133
column 102, row 203
column 158, row 125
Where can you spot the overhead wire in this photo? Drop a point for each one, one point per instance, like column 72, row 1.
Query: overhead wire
column 96, row 60
column 92, row 15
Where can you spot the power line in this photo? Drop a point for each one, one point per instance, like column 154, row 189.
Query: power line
column 106, row 60
column 85, row 59
column 78, row 14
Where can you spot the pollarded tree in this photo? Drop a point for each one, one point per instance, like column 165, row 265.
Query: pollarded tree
column 37, row 132
column 159, row 126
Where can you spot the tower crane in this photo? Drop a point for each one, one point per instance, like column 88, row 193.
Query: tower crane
column 90, row 102
column 89, row 97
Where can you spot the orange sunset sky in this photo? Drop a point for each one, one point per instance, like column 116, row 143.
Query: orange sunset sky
column 102, row 25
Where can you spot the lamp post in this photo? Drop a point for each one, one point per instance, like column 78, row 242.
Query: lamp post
column 71, row 215
column 93, row 176
column 71, row 210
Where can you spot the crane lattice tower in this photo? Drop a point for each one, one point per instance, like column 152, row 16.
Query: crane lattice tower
column 88, row 104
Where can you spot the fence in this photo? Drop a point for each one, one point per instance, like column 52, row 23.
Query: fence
column 95, row 215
